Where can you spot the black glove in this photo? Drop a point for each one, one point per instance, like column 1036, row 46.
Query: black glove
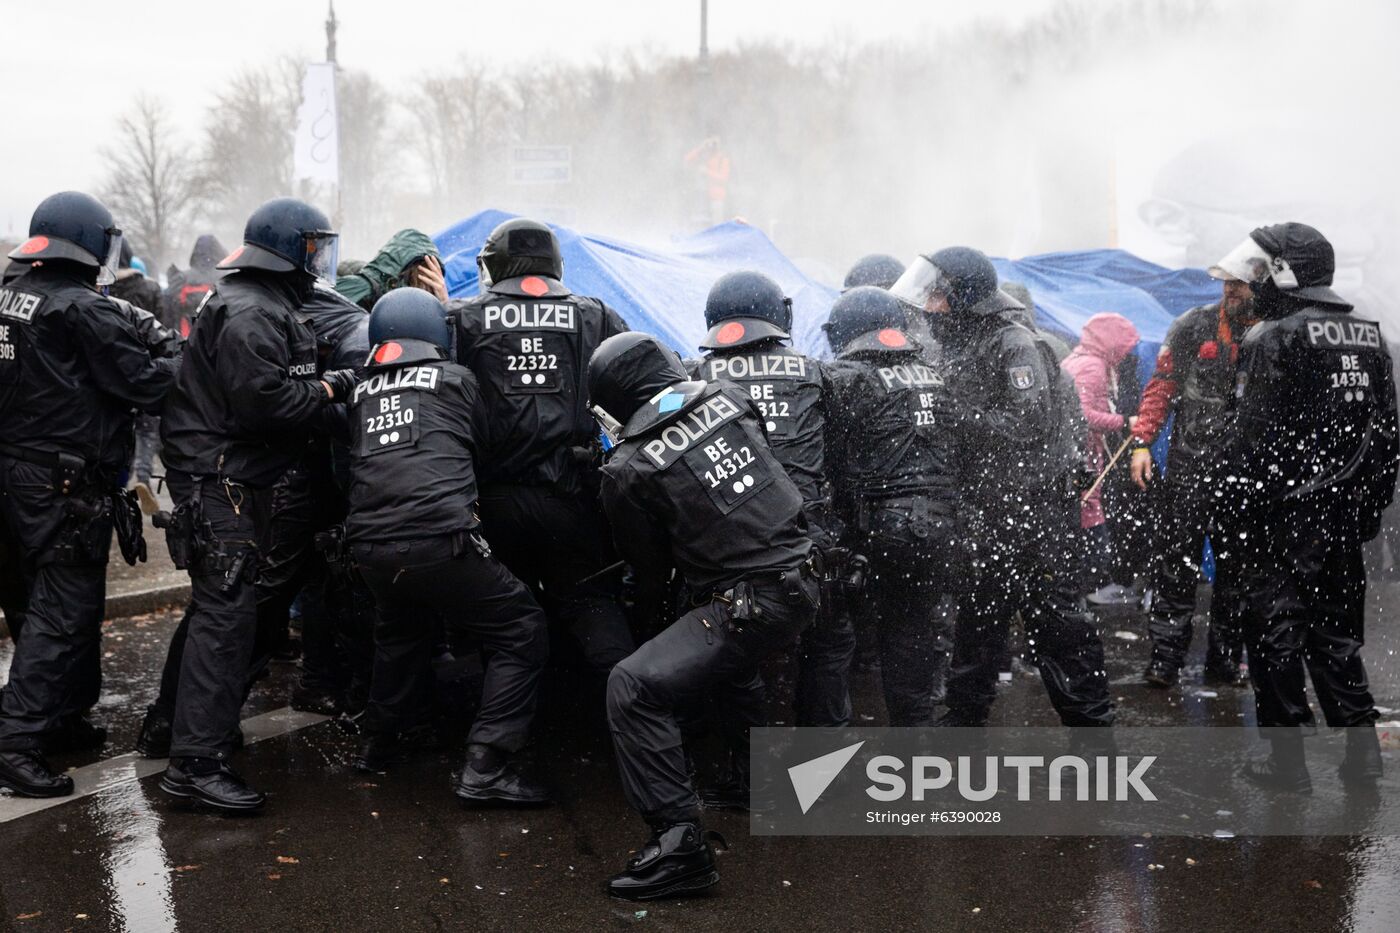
column 342, row 383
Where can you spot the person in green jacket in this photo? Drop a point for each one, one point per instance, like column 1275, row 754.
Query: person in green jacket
column 410, row 258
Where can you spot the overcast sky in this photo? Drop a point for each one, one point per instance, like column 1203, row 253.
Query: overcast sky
column 71, row 66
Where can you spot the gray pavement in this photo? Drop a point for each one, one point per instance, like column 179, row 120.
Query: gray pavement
column 338, row 850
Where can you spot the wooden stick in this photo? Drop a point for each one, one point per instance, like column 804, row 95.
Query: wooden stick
column 1124, row 446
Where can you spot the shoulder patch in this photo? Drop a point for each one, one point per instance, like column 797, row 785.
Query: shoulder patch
column 1022, row 377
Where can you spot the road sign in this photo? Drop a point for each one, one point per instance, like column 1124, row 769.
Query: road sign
column 540, row 165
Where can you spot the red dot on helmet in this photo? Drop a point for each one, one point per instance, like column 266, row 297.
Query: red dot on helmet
column 34, row 245
column 388, row 352
column 732, row 332
column 531, row 285
column 892, row 338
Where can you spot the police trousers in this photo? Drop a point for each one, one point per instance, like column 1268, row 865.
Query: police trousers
column 1305, row 612
column 1022, row 549
column 61, row 545
column 554, row 543
column 416, row 581
column 911, row 564
column 220, row 626
column 703, row 650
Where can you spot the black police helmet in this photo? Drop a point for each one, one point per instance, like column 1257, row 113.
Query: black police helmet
column 879, row 269
column 1307, row 254
column 626, row 371
column 863, row 310
column 971, row 277
column 73, row 226
column 744, row 308
column 286, row 235
column 520, row 247
column 407, row 314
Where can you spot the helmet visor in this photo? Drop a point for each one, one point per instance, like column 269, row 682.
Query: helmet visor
column 107, row 272
column 322, row 255
column 1250, row 263
column 921, row 282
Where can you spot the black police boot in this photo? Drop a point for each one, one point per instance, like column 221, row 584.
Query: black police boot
column 312, row 698
column 377, row 752
column 1223, row 670
column 212, row 783
column 27, row 774
column 1161, row 674
column 75, row 733
column 1285, row 768
column 154, row 740
column 676, row 860
column 1362, row 765
column 489, row 778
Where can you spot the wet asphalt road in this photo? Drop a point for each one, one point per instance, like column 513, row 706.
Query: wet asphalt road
column 337, row 850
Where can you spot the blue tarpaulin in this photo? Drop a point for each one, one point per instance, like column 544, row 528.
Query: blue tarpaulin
column 662, row 290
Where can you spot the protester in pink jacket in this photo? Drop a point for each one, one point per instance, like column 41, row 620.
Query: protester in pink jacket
column 1105, row 340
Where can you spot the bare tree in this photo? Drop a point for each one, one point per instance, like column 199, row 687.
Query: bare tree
column 150, row 186
column 247, row 153
column 370, row 170
column 460, row 121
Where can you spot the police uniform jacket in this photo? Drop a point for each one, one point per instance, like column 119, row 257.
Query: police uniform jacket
column 72, row 368
column 528, row 340
column 789, row 390
column 249, row 386
column 415, row 424
column 892, row 432
column 1316, row 410
column 694, row 483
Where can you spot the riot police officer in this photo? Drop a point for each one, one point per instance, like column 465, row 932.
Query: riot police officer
column 1314, row 463
column 248, row 392
column 72, row 368
column 1015, row 417
column 748, row 317
column 528, row 339
column 892, row 457
column 692, row 485
column 416, row 422
column 305, row 500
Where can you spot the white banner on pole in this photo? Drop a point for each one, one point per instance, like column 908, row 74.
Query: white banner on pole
column 317, row 145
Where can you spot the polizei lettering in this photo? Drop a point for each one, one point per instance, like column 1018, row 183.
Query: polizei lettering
column 19, row 305
column 409, row 377
column 909, row 376
column 675, row 439
column 769, row 366
column 530, row 315
column 1344, row 334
